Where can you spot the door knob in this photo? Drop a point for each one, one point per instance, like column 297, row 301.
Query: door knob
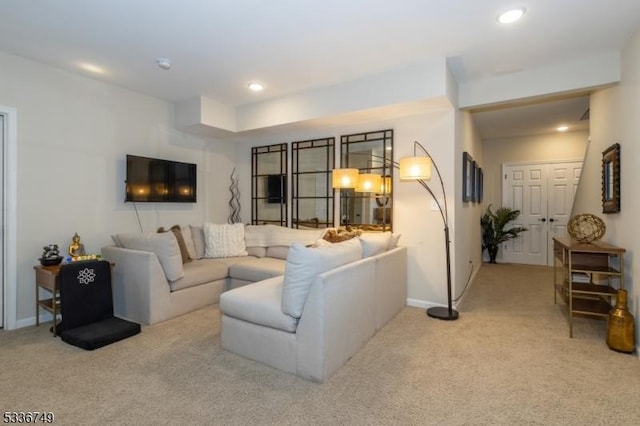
column 544, row 219
column 552, row 220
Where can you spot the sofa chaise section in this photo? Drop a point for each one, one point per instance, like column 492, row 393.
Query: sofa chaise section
column 345, row 307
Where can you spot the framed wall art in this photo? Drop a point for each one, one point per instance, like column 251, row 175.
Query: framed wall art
column 476, row 179
column 467, row 177
column 479, row 186
column 611, row 179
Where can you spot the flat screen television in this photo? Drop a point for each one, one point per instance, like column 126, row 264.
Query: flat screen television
column 160, row 181
column 276, row 189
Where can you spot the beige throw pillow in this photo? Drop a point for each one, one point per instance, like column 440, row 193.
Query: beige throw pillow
column 164, row 245
column 374, row 243
column 197, row 235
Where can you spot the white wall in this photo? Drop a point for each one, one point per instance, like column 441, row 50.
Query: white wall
column 614, row 118
column 550, row 147
column 421, row 228
column 468, row 254
column 73, row 134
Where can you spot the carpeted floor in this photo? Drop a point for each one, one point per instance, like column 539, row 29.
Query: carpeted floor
column 508, row 360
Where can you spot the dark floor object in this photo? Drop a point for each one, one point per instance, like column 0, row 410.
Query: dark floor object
column 87, row 306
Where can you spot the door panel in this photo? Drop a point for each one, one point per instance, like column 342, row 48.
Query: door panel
column 544, row 195
column 563, row 182
column 528, row 191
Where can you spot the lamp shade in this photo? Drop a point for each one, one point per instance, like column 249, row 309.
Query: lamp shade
column 412, row 168
column 369, row 182
column 344, row 178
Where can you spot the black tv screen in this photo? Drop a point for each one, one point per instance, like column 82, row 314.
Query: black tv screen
column 276, row 189
column 160, row 181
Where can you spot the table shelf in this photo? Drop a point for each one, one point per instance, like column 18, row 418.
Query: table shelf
column 599, row 264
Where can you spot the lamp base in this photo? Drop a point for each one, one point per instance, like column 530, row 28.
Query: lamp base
column 442, row 313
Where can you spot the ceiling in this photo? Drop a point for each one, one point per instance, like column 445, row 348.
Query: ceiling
column 217, row 47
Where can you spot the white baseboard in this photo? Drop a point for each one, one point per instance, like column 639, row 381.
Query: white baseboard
column 28, row 322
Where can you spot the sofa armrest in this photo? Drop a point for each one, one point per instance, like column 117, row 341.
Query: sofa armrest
column 337, row 320
column 140, row 289
column 391, row 284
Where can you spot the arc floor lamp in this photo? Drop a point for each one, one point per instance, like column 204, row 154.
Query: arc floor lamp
column 417, row 168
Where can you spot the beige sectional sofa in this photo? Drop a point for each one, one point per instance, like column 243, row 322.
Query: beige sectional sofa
column 151, row 284
column 291, row 300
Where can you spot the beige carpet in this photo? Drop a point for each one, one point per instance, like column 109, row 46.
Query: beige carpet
column 508, row 360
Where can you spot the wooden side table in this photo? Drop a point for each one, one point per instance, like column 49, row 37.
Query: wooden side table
column 48, row 278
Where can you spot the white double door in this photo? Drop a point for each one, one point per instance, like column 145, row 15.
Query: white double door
column 544, row 194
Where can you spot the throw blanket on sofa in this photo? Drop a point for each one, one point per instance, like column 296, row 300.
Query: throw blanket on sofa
column 273, row 235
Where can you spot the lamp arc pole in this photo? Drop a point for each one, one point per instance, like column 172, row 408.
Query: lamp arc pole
column 439, row 312
column 443, row 313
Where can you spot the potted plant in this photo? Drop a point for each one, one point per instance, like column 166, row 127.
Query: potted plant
column 494, row 229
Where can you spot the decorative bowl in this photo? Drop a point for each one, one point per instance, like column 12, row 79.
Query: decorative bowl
column 586, row 227
column 51, row 261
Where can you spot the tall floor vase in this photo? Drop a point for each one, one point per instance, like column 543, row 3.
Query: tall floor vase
column 621, row 334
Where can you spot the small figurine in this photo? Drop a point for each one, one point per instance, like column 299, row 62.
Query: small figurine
column 76, row 248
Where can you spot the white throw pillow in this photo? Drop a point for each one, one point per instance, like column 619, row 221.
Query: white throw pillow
column 393, row 241
column 224, row 240
column 374, row 243
column 305, row 263
column 164, row 245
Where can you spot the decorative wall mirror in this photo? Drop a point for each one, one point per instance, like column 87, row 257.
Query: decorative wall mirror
column 368, row 207
column 311, row 192
column 611, row 179
column 269, row 184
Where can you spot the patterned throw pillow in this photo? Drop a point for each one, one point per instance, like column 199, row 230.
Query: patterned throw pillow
column 224, row 240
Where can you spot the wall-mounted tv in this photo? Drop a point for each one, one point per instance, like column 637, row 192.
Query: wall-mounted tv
column 277, row 189
column 160, row 181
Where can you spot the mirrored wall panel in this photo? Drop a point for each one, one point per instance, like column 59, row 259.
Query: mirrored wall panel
column 311, row 192
column 368, row 207
column 269, row 184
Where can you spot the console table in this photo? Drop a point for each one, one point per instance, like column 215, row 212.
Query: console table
column 587, row 276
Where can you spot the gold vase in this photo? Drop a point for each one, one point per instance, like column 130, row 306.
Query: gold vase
column 621, row 334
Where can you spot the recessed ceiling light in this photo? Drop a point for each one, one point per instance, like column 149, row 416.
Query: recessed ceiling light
column 91, row 68
column 255, row 86
column 511, row 15
column 562, row 128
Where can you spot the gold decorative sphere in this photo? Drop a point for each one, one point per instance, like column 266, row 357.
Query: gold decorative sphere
column 586, row 227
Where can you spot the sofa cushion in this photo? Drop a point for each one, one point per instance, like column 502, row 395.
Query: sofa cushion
column 164, row 245
column 224, row 240
column 278, row 252
column 257, row 269
column 374, row 243
column 305, row 263
column 200, row 272
column 258, row 303
column 197, row 235
column 257, row 251
column 273, row 235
